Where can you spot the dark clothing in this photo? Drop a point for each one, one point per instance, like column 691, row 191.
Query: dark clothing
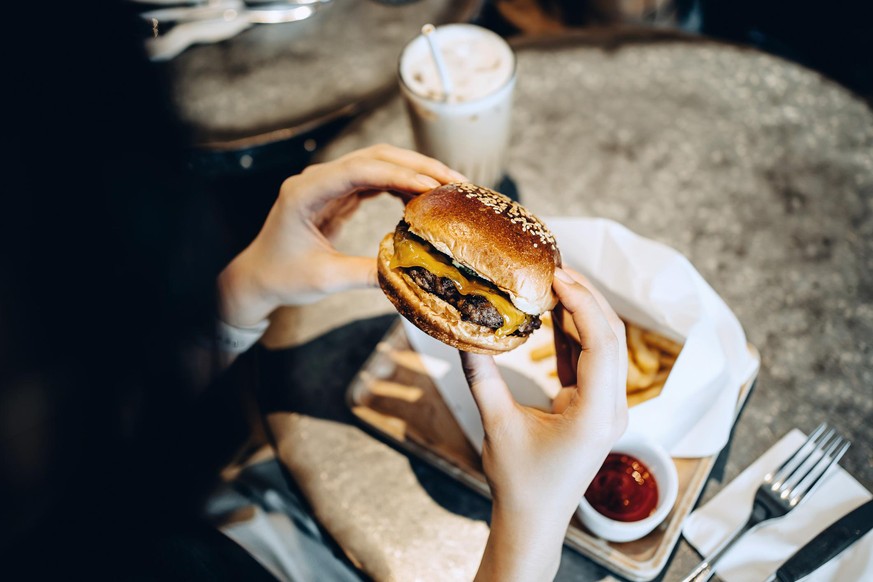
column 111, row 249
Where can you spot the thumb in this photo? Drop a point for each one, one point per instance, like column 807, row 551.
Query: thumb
column 563, row 398
column 492, row 395
column 340, row 272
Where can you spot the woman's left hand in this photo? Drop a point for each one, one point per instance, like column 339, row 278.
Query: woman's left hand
column 539, row 464
column 292, row 260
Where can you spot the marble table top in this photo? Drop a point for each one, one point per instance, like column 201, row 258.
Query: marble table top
column 756, row 169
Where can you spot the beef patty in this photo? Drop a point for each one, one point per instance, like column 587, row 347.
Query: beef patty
column 473, row 308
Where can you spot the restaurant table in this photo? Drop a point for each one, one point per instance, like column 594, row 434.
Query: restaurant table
column 261, row 104
column 758, row 170
column 257, row 97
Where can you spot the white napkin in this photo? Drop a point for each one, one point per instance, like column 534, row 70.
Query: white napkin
column 760, row 552
column 658, row 288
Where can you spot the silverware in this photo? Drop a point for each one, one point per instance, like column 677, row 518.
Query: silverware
column 783, row 489
column 215, row 3
column 179, row 30
column 170, row 44
column 255, row 13
column 827, row 544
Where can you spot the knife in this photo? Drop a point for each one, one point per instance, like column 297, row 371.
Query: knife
column 827, row 544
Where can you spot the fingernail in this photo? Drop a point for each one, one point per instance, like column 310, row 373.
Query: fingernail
column 427, row 181
column 561, row 275
column 458, row 177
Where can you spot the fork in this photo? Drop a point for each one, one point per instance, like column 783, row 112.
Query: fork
column 783, row 489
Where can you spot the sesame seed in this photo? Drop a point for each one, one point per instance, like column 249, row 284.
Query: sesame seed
column 517, row 214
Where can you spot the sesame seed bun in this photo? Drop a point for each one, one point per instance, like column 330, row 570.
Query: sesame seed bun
column 488, row 233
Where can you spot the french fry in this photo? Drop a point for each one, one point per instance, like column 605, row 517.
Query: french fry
column 651, row 357
column 661, row 377
column 643, row 395
column 664, row 344
column 637, row 379
column 666, row 360
column 644, row 357
column 542, row 352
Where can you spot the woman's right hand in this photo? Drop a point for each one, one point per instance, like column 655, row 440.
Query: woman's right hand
column 292, row 260
column 539, row 464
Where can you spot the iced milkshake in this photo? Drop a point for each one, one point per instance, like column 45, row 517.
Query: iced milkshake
column 469, row 128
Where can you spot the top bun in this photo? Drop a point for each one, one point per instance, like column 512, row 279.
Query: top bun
column 494, row 236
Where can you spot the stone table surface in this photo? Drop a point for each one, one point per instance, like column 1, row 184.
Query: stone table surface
column 756, row 169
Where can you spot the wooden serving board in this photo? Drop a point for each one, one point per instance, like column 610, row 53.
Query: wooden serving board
column 394, row 396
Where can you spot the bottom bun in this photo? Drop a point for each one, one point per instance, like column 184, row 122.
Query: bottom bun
column 434, row 316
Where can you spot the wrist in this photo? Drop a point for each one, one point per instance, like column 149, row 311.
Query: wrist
column 236, row 340
column 244, row 300
column 522, row 546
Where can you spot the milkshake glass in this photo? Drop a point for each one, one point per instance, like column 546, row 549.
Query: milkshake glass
column 468, row 129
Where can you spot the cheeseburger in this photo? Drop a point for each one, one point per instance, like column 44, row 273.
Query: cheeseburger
column 470, row 267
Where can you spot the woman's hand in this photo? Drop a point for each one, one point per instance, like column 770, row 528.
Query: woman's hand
column 539, row 464
column 292, row 261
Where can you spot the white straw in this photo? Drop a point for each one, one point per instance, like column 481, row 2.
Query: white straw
column 428, row 31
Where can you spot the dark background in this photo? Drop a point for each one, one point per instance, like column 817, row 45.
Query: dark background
column 834, row 37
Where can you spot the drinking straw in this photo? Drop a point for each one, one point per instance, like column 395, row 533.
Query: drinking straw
column 428, row 31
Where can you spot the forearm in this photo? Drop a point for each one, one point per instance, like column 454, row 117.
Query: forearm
column 521, row 548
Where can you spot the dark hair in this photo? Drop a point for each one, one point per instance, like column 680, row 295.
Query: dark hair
column 111, row 248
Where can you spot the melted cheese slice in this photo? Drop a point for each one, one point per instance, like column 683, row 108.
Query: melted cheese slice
column 411, row 253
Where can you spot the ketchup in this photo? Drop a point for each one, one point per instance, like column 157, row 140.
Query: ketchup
column 623, row 489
